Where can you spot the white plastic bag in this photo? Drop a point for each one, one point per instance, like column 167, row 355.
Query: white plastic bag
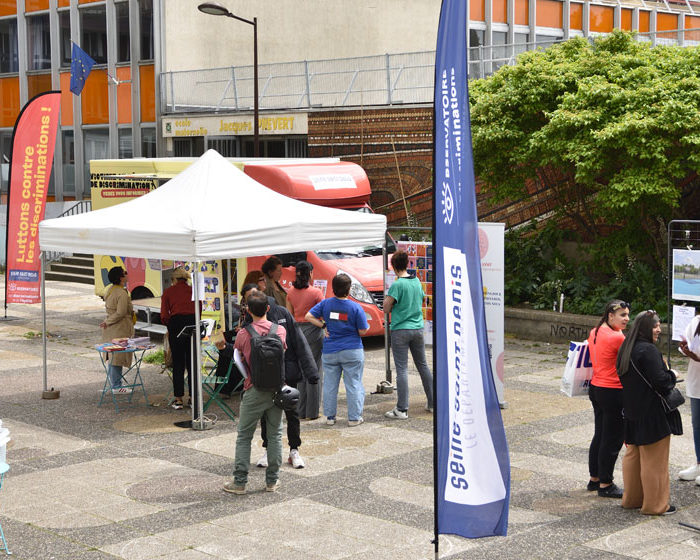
column 578, row 370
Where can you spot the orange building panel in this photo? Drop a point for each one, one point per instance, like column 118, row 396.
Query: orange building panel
column 63, row 3
column 66, row 100
column 550, row 13
column 626, row 19
column 87, row 1
column 35, row 5
column 643, row 22
column 8, row 8
column 38, row 83
column 148, row 93
column 666, row 22
column 576, row 16
column 499, row 13
column 522, row 16
column 94, row 98
column 692, row 22
column 477, row 9
column 124, row 95
column 9, row 101
column 602, row 18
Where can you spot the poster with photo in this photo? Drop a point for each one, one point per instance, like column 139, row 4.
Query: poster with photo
column 686, row 275
column 211, row 290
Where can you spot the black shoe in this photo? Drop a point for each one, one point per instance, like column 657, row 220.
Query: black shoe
column 593, row 485
column 670, row 511
column 611, row 491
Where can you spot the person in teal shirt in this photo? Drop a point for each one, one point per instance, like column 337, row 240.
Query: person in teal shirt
column 404, row 304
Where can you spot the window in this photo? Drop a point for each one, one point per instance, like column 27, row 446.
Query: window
column 8, row 46
column 38, row 42
column 123, row 47
column 5, row 149
column 148, row 141
column 297, row 148
column 93, row 25
column 146, row 24
column 64, row 33
column 500, row 54
column 273, row 147
column 520, row 40
column 126, row 145
column 68, row 143
column 96, row 142
column 227, row 146
column 188, row 147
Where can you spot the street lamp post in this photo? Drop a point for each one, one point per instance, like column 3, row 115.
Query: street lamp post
column 215, row 9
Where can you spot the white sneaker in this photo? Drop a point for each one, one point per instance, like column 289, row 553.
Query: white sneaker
column 330, row 421
column 691, row 473
column 262, row 462
column 697, row 481
column 353, row 423
column 295, row 459
column 396, row 414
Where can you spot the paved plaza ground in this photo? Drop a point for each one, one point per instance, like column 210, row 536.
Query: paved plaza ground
column 87, row 482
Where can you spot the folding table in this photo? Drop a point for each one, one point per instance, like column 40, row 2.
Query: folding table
column 131, row 378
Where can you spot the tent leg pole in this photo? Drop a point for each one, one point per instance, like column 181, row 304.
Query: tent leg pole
column 46, row 394
column 198, row 422
column 230, row 292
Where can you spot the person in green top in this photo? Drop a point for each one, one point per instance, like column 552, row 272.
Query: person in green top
column 403, row 304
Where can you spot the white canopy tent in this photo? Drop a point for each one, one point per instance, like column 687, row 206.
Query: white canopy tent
column 212, row 210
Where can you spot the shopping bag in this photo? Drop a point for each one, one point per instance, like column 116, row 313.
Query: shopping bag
column 578, row 370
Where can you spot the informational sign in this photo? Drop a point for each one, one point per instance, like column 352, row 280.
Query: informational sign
column 34, row 140
column 210, row 290
column 682, row 316
column 235, row 125
column 686, row 275
column 491, row 252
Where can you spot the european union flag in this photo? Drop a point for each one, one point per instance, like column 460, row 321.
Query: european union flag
column 80, row 66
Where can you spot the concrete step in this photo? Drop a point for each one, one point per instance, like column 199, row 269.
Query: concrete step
column 62, row 266
column 70, row 277
column 85, row 261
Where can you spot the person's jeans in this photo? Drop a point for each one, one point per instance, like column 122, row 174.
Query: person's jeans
column 401, row 341
column 609, row 432
column 349, row 363
column 255, row 405
column 695, row 416
column 115, row 376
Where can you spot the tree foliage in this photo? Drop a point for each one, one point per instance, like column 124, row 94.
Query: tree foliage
column 612, row 127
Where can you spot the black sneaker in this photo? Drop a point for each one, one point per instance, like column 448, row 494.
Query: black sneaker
column 670, row 511
column 612, row 491
column 593, row 485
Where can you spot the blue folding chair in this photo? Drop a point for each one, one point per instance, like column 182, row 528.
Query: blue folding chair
column 4, row 467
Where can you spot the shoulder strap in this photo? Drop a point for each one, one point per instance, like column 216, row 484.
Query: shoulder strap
column 251, row 331
column 273, row 329
column 645, row 379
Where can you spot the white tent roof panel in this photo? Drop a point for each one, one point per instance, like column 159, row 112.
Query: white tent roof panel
column 212, row 210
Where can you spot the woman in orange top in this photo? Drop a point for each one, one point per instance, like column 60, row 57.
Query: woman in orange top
column 605, row 392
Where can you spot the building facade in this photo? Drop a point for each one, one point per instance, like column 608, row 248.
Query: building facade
column 348, row 79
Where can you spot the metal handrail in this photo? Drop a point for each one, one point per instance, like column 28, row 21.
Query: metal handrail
column 388, row 79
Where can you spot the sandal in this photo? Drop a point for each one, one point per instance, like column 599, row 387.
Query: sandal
column 177, row 405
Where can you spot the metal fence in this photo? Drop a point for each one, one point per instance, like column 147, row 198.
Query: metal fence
column 390, row 79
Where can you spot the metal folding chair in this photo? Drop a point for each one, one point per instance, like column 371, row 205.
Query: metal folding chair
column 213, row 383
column 4, row 467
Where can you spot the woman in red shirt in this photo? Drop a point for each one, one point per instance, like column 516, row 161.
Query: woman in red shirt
column 605, row 392
column 301, row 297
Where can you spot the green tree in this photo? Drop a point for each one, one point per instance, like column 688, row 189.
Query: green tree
column 612, row 127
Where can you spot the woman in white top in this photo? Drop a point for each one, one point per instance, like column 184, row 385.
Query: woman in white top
column 690, row 346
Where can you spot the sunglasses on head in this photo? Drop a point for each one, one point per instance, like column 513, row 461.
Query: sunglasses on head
column 622, row 305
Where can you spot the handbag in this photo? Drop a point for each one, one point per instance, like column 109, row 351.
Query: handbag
column 671, row 401
column 578, row 371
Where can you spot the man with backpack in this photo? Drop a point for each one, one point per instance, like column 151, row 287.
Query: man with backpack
column 262, row 344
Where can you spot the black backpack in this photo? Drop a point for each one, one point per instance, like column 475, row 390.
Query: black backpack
column 266, row 359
